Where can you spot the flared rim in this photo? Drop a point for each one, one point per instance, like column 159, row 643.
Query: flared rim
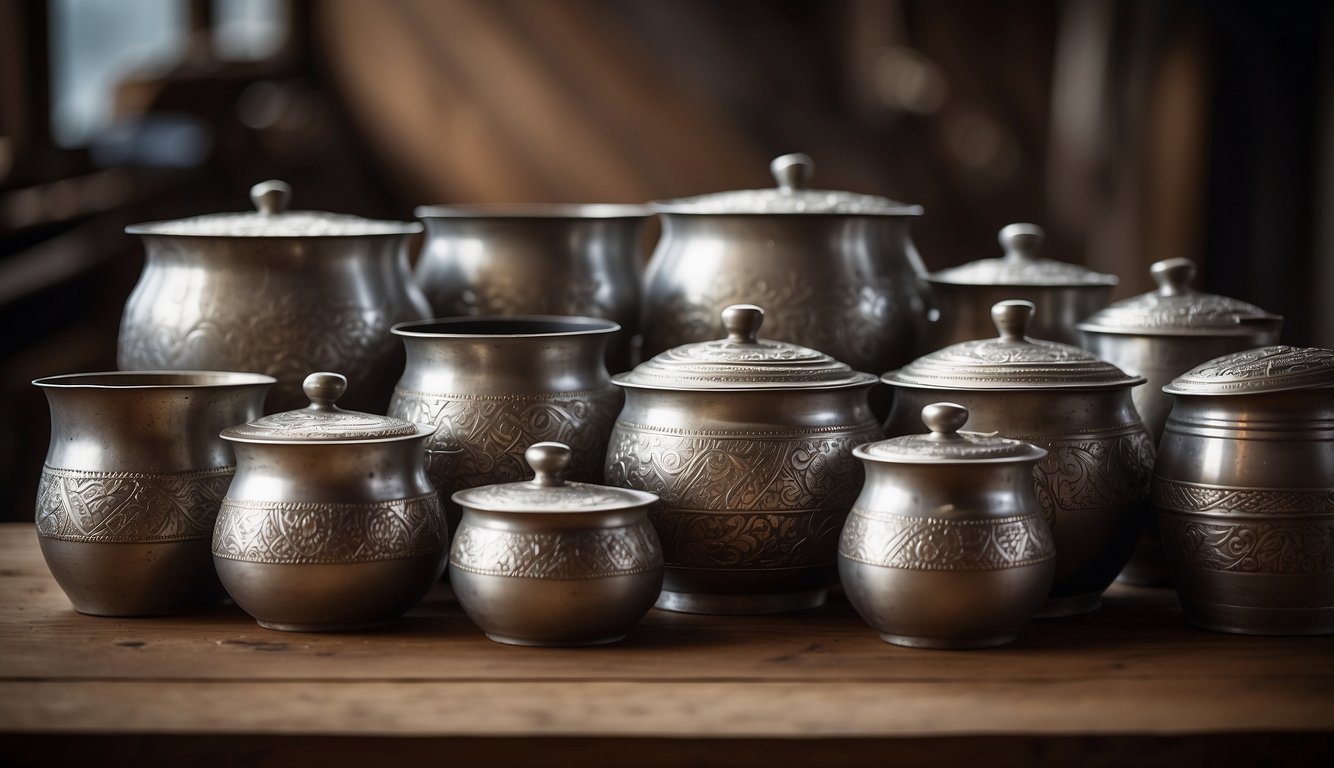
column 505, row 327
column 534, row 211
column 129, row 380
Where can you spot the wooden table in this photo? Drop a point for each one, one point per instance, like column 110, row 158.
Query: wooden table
column 1129, row 685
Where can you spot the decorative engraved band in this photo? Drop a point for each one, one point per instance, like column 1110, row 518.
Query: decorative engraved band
column 317, row 532
column 129, row 507
column 578, row 394
column 1302, row 545
column 929, row 544
column 861, row 430
column 765, row 540
column 1221, row 501
column 590, row 554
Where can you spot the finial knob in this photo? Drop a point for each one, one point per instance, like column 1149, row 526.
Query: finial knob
column 1011, row 318
column 271, row 197
column 742, row 322
column 944, row 420
column 792, row 171
column 549, row 461
column 1173, row 276
column 1021, row 241
column 324, row 388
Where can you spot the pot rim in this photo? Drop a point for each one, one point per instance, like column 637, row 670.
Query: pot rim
column 1130, row 383
column 175, row 228
column 858, row 380
column 108, row 380
column 423, row 431
column 573, row 325
column 534, row 211
column 677, row 208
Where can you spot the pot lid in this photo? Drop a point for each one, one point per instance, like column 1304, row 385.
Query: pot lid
column 548, row 492
column 793, row 195
column 1011, row 361
column 742, row 361
column 1176, row 308
column 947, row 444
column 322, row 420
column 272, row 219
column 1263, row 369
column 1021, row 265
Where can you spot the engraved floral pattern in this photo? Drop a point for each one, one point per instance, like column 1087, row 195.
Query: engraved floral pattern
column 571, row 496
column 589, row 554
column 923, row 543
column 1297, row 546
column 1190, row 497
column 1093, row 473
column 319, row 532
column 758, row 540
column 75, row 505
column 1260, row 369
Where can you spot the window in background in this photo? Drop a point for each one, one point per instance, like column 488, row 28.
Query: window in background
column 248, row 30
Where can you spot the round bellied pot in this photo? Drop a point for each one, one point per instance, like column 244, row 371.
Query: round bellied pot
column 492, row 386
column 748, row 442
column 133, row 479
column 1244, row 489
column 282, row 292
column 946, row 546
column 1160, row 335
column 961, row 297
column 549, row 562
column 330, row 523
column 1093, row 485
column 544, row 259
column 836, row 271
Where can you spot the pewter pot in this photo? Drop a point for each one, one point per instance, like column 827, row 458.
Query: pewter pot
column 836, row 271
column 283, row 292
column 961, row 297
column 132, row 482
column 1244, row 489
column 536, row 259
column 330, row 523
column 748, row 442
column 550, row 562
column 1093, row 485
column 492, row 386
column 946, row 547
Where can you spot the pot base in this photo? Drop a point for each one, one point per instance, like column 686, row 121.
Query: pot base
column 1074, row 605
column 942, row 643
column 1250, row 620
column 543, row 644
column 691, row 602
column 281, row 627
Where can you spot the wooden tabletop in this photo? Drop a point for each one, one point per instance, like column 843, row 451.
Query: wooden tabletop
column 738, row 690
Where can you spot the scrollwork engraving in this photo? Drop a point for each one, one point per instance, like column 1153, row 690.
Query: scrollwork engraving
column 922, row 543
column 75, row 505
column 1297, row 546
column 589, row 554
column 1093, row 473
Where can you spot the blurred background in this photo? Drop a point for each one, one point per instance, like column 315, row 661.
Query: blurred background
column 1132, row 130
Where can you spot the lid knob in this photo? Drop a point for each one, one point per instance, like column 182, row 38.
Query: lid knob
column 792, row 171
column 1011, row 318
column 1173, row 276
column 549, row 461
column 743, row 322
column 1021, row 241
column 323, row 388
column 271, row 197
column 945, row 420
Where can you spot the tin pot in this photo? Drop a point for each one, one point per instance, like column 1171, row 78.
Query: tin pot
column 748, row 442
column 133, row 478
column 330, row 523
column 1093, row 485
column 962, row 297
column 546, row 562
column 1244, row 488
column 493, row 386
column 946, row 546
column 283, row 292
column 836, row 271
column 536, row 259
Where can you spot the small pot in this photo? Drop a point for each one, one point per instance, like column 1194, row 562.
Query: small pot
column 1093, row 485
column 962, row 296
column 133, row 479
column 748, row 442
column 1244, row 488
column 330, row 523
column 546, row 562
column 946, row 546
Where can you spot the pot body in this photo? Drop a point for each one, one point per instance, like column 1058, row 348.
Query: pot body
column 330, row 536
column 963, row 312
column 1093, row 485
column 846, row 285
column 494, row 386
column 754, row 489
column 132, row 483
column 551, row 260
column 568, row 578
column 1244, row 490
column 947, row 556
column 282, row 305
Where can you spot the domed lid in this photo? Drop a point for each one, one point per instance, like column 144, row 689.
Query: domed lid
column 548, row 492
column 1263, row 369
column 742, row 361
column 1177, row 309
column 946, row 444
column 1021, row 265
column 1012, row 361
column 792, row 196
column 272, row 219
column 322, row 420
